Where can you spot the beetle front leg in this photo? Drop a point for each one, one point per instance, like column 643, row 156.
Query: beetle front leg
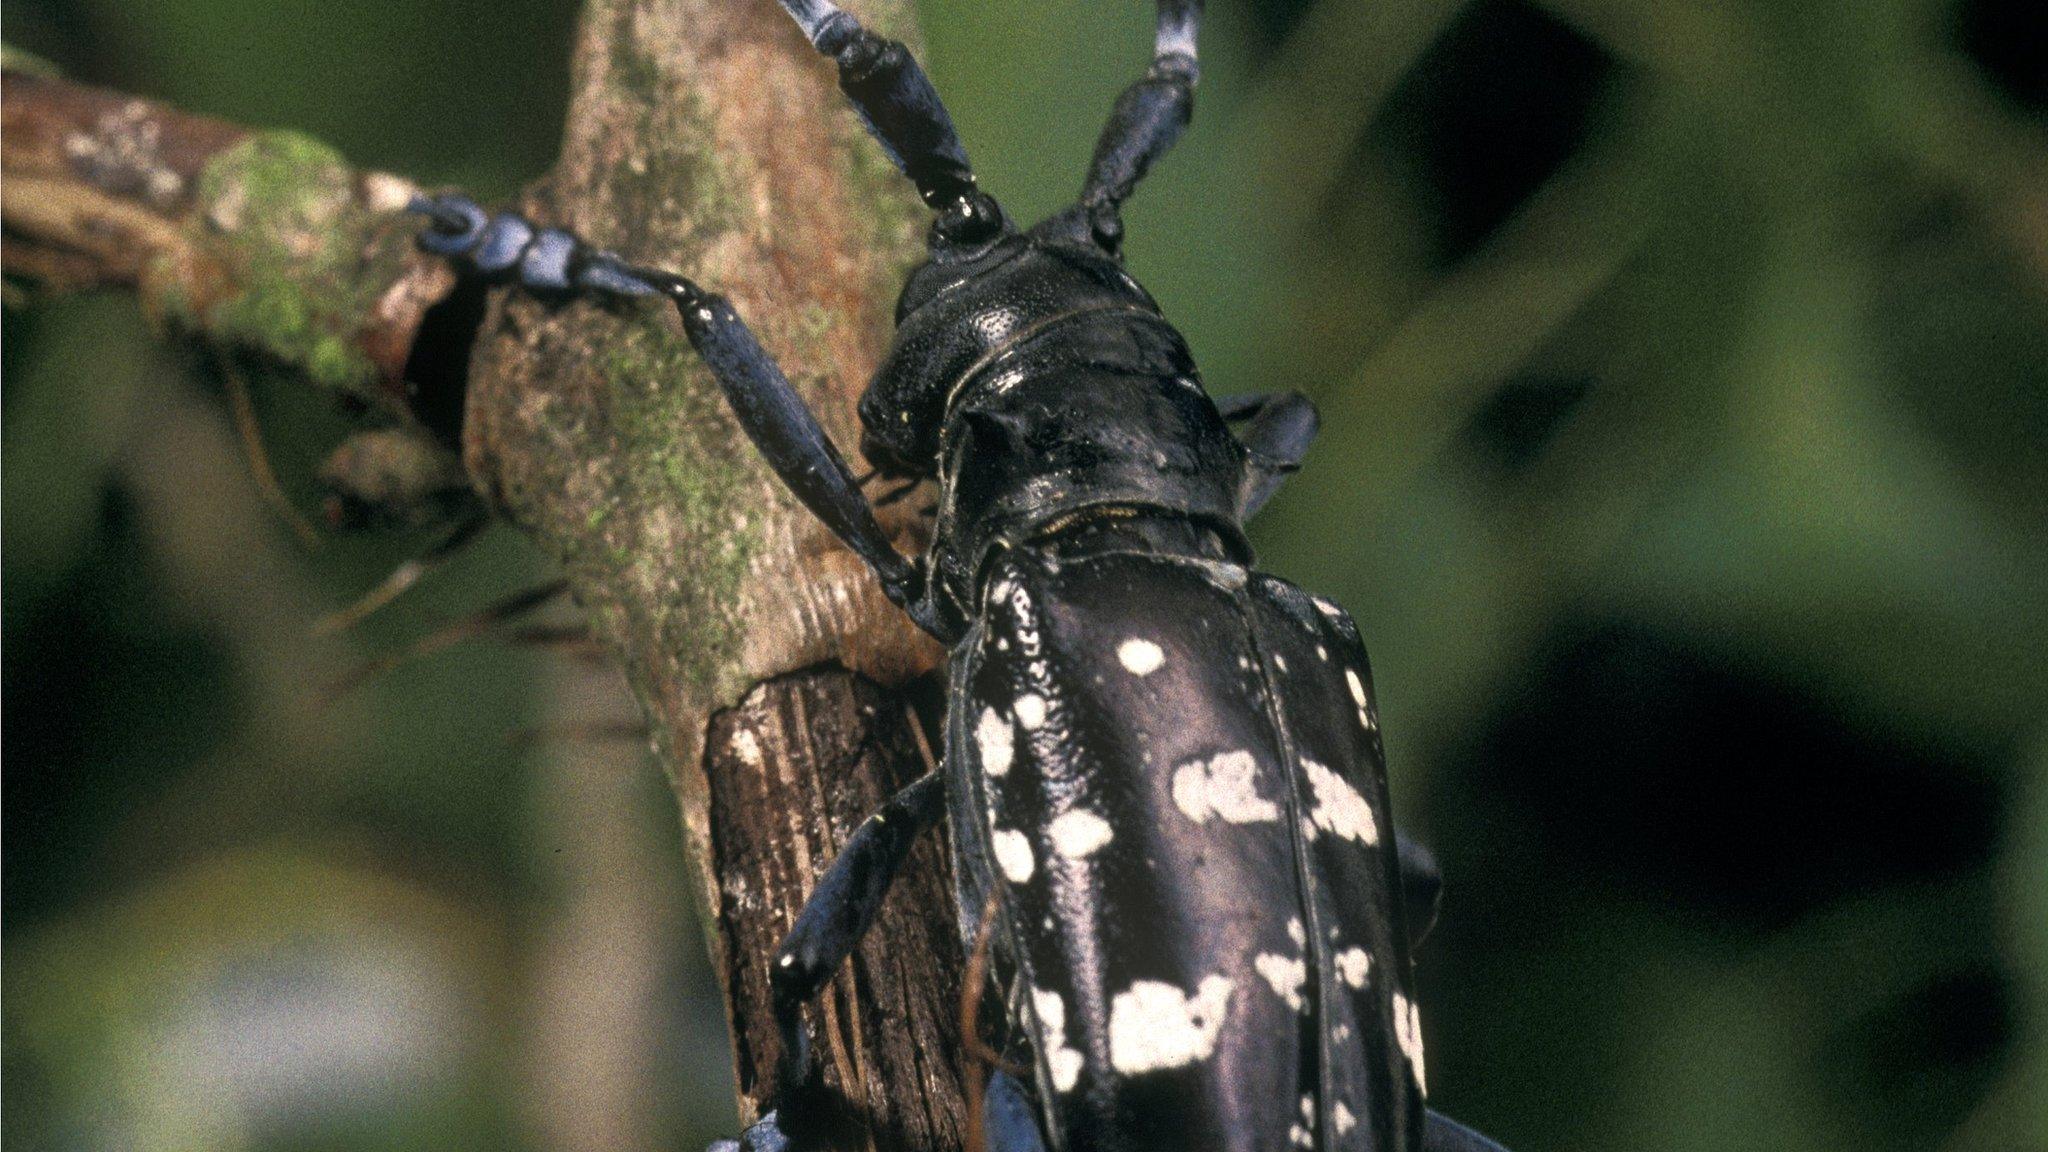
column 770, row 411
column 788, row 436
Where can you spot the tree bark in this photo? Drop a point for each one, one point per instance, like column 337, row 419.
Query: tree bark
column 703, row 135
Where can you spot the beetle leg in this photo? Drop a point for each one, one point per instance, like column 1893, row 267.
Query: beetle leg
column 765, row 1135
column 1443, row 1134
column 1009, row 1120
column 1422, row 886
column 1149, row 116
column 787, row 434
column 835, row 917
column 1278, row 427
column 539, row 259
column 770, row 411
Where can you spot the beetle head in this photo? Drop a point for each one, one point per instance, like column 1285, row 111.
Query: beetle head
column 960, row 309
column 942, row 323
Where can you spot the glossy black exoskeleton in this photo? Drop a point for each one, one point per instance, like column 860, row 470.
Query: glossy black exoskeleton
column 1162, row 768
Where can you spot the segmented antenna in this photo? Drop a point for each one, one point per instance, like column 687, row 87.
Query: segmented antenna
column 901, row 109
column 1149, row 116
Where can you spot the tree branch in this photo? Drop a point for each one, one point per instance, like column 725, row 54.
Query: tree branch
column 264, row 242
column 705, row 136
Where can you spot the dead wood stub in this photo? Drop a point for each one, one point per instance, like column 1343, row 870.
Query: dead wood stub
column 793, row 770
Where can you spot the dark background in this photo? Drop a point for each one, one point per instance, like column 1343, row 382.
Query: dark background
column 1685, row 377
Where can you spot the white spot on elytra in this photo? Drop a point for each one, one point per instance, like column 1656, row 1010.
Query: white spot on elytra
column 1408, row 1030
column 1078, row 834
column 1299, row 1136
column 1155, row 1025
column 1066, row 1068
column 1013, row 855
column 997, row 741
column 1279, row 661
column 1345, row 1120
column 1222, row 785
column 1284, row 974
column 1064, row 1061
column 1339, row 808
column 1030, row 709
column 1142, row 657
column 1052, row 1011
column 1295, row 930
column 1340, row 1034
column 1356, row 685
column 1353, row 964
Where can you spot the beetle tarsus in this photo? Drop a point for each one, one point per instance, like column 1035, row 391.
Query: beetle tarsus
column 764, row 1135
column 545, row 260
column 1008, row 1122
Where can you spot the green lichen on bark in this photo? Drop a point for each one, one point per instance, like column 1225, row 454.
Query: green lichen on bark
column 663, row 405
column 300, row 258
column 663, row 400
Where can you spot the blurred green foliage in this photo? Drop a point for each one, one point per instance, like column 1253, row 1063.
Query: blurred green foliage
column 1684, row 366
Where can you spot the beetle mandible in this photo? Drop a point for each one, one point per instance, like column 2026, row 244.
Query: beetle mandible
column 1162, row 768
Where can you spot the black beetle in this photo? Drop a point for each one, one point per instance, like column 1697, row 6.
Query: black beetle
column 1163, row 769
